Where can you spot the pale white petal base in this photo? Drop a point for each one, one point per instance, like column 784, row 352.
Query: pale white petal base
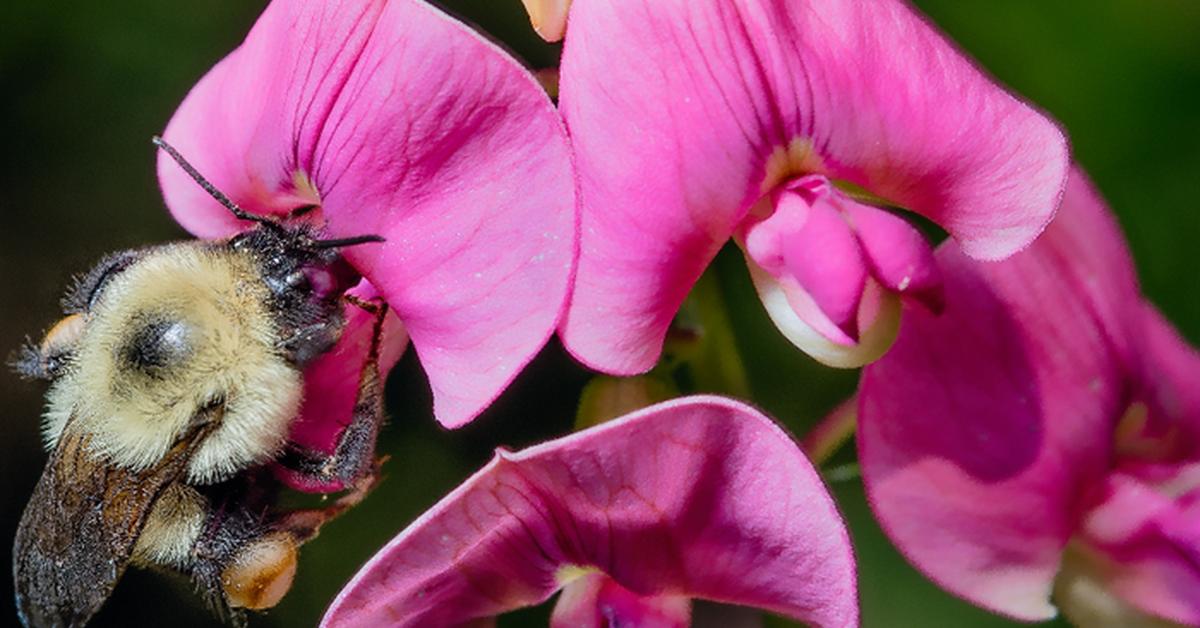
column 876, row 337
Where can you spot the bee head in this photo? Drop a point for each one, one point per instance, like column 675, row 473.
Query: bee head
column 296, row 265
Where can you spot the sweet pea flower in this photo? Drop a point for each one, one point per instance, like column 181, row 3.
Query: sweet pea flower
column 1038, row 444
column 395, row 120
column 793, row 127
column 700, row 497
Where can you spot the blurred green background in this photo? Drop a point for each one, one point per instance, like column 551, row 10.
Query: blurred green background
column 86, row 84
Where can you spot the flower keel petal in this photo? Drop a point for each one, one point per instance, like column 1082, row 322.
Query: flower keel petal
column 699, row 497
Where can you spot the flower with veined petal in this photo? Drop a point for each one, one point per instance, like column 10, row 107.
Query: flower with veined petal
column 788, row 125
column 1041, row 438
column 700, row 497
column 394, row 119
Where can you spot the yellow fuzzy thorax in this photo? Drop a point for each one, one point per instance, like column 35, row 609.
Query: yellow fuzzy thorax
column 219, row 300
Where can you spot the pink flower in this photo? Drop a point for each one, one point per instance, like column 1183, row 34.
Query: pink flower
column 1042, row 436
column 786, row 125
column 697, row 497
column 397, row 121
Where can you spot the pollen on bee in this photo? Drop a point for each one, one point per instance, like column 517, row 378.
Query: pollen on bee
column 63, row 334
column 261, row 573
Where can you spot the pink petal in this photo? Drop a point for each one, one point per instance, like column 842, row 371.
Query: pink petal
column 684, row 112
column 1168, row 371
column 900, row 257
column 1148, row 548
column 807, row 243
column 596, row 601
column 981, row 427
column 400, row 122
column 826, row 261
column 1089, row 251
column 697, row 497
column 331, row 385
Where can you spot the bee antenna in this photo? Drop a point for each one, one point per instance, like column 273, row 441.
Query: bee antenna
column 338, row 243
column 212, row 190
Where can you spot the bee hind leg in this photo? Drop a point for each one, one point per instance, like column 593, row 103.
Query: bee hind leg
column 247, row 559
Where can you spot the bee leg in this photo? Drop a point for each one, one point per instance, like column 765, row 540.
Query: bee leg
column 246, row 558
column 239, row 560
column 304, row 525
column 308, row 343
column 353, row 457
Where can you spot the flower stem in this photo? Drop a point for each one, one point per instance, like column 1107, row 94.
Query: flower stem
column 834, row 431
column 606, row 397
column 717, row 366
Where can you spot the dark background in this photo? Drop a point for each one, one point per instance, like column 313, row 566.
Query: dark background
column 83, row 86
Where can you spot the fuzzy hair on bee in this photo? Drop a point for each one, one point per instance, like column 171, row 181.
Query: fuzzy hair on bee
column 174, row 378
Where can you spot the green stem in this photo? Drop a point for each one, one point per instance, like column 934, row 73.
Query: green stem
column 832, row 432
column 606, row 398
column 717, row 366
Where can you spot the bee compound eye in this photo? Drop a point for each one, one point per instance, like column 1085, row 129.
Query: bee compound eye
column 261, row 573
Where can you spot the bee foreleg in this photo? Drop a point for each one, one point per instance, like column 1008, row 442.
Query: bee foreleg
column 304, row 525
column 354, row 455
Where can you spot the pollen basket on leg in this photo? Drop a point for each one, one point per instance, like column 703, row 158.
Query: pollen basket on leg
column 184, row 329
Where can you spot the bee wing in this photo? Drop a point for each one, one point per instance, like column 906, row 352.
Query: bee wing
column 80, row 526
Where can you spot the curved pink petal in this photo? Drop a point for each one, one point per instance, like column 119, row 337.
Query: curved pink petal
column 1088, row 249
column 1146, row 548
column 331, row 385
column 808, row 244
column 981, row 427
column 1169, row 368
column 400, row 122
column 699, row 497
column 827, row 262
column 900, row 257
column 684, row 112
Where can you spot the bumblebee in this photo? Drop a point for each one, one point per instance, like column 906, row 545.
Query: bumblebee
column 175, row 376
